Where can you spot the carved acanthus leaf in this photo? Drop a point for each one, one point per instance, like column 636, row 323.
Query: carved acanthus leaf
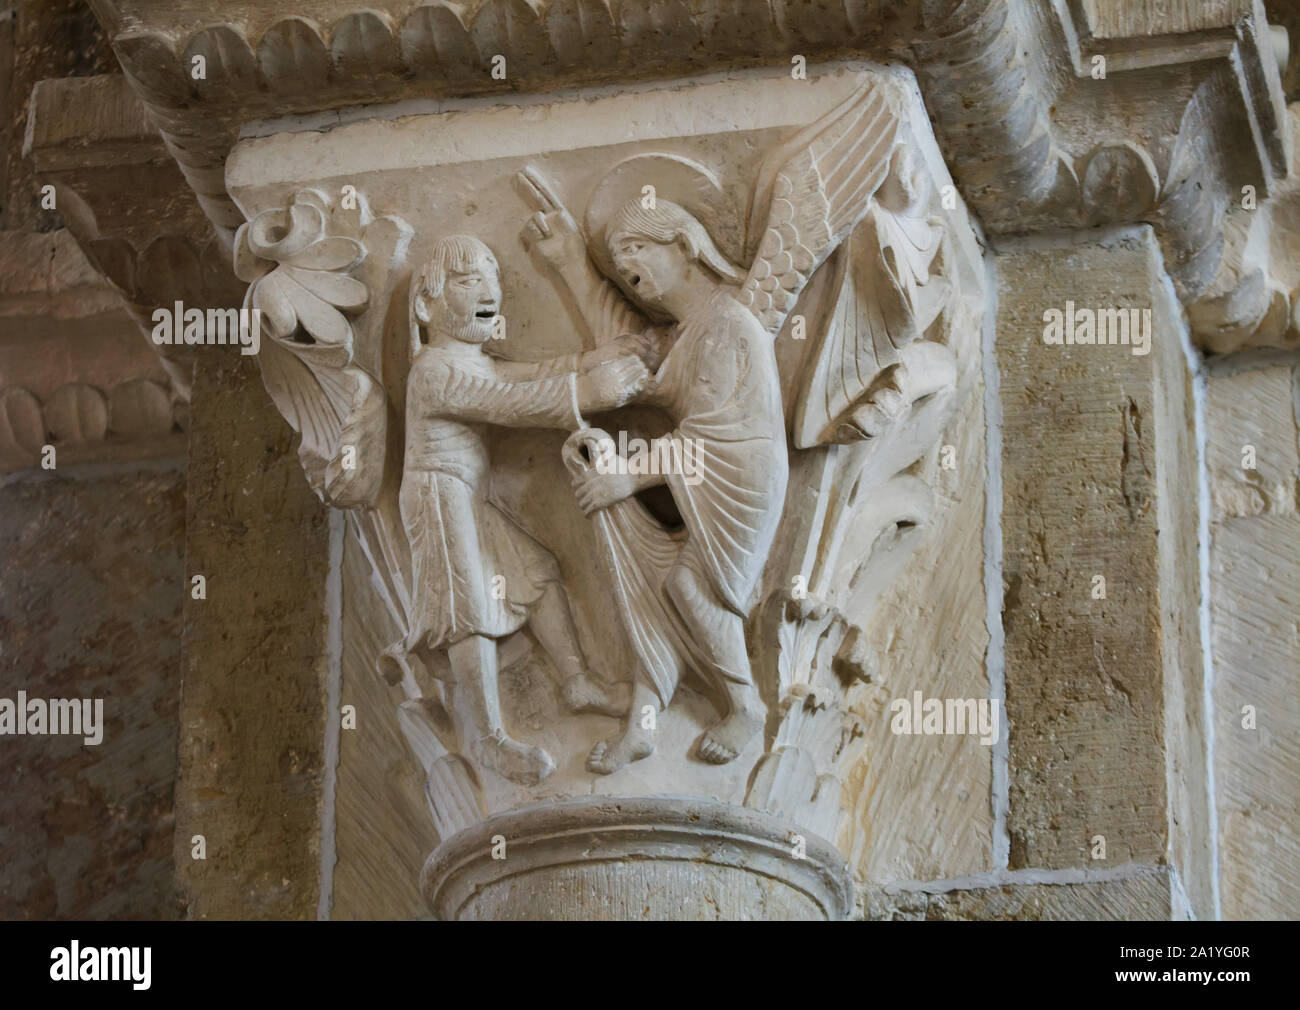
column 299, row 266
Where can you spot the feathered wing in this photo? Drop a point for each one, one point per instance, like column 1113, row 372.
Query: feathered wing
column 811, row 191
column 819, row 195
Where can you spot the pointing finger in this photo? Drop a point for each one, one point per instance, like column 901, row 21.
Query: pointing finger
column 540, row 192
column 543, row 187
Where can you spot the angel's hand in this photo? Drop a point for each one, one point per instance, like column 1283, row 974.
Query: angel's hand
column 596, row 490
column 551, row 231
column 612, row 383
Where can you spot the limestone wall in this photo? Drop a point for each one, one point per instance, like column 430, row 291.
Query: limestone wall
column 91, row 584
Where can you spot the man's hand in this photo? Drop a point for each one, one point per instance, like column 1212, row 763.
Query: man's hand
column 644, row 345
column 612, row 383
column 551, row 231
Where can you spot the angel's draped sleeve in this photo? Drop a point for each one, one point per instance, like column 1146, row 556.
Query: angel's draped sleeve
column 488, row 395
column 610, row 315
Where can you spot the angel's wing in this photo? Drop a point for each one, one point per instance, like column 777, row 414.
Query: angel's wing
column 811, row 191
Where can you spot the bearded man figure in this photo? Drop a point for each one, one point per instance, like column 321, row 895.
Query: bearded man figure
column 478, row 577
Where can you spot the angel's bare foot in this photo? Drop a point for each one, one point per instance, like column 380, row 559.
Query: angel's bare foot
column 511, row 759
column 581, row 693
column 609, row 756
column 724, row 741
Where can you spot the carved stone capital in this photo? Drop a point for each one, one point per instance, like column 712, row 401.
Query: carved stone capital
column 753, row 309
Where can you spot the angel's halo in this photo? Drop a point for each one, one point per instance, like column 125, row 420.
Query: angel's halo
column 678, row 180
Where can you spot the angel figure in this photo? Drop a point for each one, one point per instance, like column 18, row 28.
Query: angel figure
column 477, row 577
column 685, row 595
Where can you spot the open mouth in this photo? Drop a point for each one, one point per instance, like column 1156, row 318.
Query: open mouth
column 485, row 314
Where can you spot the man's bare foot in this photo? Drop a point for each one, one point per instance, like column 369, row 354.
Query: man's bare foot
column 511, row 759
column 724, row 741
column 581, row 693
column 609, row 756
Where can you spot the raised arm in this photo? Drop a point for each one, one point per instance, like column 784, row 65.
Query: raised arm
column 555, row 236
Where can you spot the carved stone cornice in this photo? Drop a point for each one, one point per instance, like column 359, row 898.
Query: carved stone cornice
column 74, row 374
column 128, row 206
column 87, row 424
column 1189, row 112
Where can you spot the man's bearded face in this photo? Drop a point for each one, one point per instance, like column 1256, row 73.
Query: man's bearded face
column 471, row 299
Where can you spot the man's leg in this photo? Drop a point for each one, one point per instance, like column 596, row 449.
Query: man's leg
column 552, row 626
column 477, row 709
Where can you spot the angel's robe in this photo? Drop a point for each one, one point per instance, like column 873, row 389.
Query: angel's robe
column 475, row 571
column 719, row 384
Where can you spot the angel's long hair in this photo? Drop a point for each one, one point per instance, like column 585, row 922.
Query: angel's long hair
column 450, row 254
column 666, row 223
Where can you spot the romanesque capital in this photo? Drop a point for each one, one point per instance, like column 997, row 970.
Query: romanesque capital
column 634, row 405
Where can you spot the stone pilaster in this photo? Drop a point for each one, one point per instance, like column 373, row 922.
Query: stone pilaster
column 1100, row 567
column 1253, row 456
column 255, row 660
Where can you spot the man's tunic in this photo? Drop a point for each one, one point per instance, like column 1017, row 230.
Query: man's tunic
column 476, row 572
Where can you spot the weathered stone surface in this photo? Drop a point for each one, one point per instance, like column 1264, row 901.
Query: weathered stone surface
column 1255, row 593
column 1080, row 443
column 1284, row 14
column 66, row 341
column 1144, row 896
column 47, row 264
column 1126, row 20
column 1178, row 523
column 923, row 809
column 1250, row 419
column 52, row 38
column 382, row 826
column 255, row 658
column 1254, row 572
column 78, row 122
column 127, row 203
column 90, row 607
